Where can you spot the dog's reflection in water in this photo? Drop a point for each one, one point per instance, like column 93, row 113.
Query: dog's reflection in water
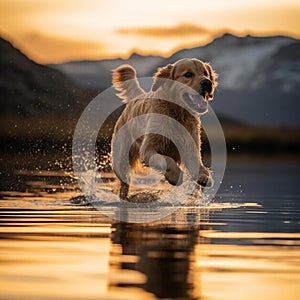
column 165, row 256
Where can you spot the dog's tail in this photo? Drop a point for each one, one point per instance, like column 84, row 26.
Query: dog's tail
column 124, row 79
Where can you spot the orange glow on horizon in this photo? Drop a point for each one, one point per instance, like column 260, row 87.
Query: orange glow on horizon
column 53, row 31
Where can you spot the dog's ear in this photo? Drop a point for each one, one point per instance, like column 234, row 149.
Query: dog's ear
column 212, row 74
column 165, row 72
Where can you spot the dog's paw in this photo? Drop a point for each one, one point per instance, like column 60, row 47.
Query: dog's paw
column 205, row 180
column 174, row 177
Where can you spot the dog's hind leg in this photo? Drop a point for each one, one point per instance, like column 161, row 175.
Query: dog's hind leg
column 122, row 173
column 124, row 188
column 121, row 166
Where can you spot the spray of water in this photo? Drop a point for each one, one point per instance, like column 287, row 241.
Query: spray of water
column 88, row 164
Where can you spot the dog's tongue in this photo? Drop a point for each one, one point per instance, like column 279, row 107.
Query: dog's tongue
column 198, row 101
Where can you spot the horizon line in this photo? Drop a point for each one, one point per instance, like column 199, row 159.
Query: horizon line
column 141, row 52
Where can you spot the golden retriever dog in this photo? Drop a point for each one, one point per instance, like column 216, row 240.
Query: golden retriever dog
column 180, row 92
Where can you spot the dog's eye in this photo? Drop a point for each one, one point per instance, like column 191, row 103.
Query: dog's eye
column 188, row 75
column 205, row 73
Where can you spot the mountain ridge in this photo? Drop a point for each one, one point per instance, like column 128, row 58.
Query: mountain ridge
column 29, row 88
column 258, row 76
column 259, row 79
column 40, row 107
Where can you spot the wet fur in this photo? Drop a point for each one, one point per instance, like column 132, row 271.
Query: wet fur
column 139, row 103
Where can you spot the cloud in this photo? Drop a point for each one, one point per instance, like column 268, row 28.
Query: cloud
column 178, row 31
column 50, row 48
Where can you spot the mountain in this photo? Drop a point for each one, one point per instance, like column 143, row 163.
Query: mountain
column 259, row 79
column 40, row 105
column 31, row 89
column 97, row 73
column 46, row 95
column 239, row 61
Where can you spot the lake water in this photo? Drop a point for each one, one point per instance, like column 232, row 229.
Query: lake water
column 243, row 245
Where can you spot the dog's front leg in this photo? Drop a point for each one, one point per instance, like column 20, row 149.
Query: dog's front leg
column 205, row 178
column 163, row 164
column 193, row 163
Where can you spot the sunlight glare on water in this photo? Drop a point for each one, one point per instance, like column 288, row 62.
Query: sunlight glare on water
column 240, row 246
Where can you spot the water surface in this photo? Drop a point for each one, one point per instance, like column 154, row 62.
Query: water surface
column 244, row 245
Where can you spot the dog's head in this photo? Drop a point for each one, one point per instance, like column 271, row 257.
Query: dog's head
column 197, row 75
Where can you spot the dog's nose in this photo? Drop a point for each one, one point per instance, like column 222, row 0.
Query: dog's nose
column 206, row 85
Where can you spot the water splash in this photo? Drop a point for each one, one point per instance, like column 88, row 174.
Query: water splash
column 101, row 189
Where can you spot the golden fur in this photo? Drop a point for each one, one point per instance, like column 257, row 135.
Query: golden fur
column 181, row 84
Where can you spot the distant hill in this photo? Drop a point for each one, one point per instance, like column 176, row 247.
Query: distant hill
column 40, row 105
column 259, row 76
column 97, row 73
column 31, row 89
column 259, row 80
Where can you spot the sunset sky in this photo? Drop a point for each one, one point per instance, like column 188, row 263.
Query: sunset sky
column 61, row 30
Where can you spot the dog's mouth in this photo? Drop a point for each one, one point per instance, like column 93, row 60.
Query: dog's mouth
column 197, row 102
